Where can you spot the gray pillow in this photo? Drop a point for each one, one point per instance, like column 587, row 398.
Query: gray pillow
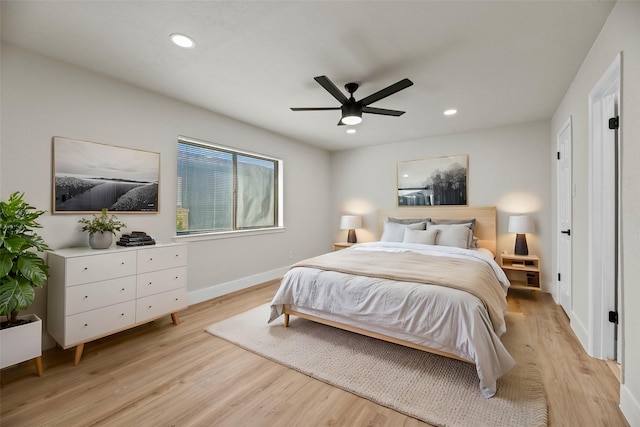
column 394, row 232
column 471, row 221
column 408, row 221
column 456, row 235
column 424, row 237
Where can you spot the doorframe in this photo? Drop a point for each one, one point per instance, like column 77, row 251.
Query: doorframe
column 568, row 124
column 600, row 295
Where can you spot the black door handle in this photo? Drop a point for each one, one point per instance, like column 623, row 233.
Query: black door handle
column 567, row 232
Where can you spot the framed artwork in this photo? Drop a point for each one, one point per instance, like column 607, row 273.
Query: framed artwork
column 88, row 176
column 433, row 182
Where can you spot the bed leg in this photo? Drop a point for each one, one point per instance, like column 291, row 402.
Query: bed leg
column 286, row 320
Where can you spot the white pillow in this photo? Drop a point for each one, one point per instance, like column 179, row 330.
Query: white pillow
column 424, row 237
column 458, row 235
column 394, row 232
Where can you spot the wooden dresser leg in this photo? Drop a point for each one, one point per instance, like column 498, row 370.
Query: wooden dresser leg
column 39, row 365
column 175, row 319
column 79, row 350
column 286, row 320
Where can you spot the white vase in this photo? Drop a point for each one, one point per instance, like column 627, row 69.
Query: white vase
column 20, row 343
column 101, row 240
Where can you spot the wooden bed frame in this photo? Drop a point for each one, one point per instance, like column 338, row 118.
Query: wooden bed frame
column 485, row 231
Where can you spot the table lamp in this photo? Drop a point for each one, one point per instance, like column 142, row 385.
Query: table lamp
column 521, row 224
column 350, row 222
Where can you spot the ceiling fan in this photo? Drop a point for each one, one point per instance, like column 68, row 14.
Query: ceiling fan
column 351, row 109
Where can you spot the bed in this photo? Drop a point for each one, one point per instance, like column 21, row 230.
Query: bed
column 426, row 288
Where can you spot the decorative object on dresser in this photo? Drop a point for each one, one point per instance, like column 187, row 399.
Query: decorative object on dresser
column 95, row 294
column 523, row 271
column 433, row 182
column 350, row 222
column 89, row 177
column 101, row 229
column 136, row 238
column 521, row 224
column 21, row 271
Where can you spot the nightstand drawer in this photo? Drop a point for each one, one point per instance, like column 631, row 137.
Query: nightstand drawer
column 88, row 297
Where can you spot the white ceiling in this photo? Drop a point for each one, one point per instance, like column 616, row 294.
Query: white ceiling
column 496, row 62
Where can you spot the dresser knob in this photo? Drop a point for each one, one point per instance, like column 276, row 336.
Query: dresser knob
column 123, row 289
column 176, row 299
column 150, row 259
column 86, row 324
column 86, row 268
column 85, row 297
column 149, row 284
column 149, row 306
column 176, row 277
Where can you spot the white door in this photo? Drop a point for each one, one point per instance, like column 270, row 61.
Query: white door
column 564, row 201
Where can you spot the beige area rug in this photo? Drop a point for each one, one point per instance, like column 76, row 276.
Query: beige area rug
column 431, row 388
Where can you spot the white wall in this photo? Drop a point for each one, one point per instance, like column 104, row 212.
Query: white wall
column 508, row 168
column 42, row 98
column 621, row 33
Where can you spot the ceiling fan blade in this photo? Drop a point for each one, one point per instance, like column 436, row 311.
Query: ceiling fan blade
column 389, row 90
column 314, row 108
column 331, row 88
column 382, row 111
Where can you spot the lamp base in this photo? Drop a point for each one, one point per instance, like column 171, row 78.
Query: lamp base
column 351, row 238
column 521, row 245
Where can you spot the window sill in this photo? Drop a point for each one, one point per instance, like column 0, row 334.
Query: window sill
column 226, row 234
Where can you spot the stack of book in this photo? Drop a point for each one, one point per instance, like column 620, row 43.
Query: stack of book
column 136, row 238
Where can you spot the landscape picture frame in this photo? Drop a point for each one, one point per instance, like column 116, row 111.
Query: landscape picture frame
column 436, row 181
column 90, row 176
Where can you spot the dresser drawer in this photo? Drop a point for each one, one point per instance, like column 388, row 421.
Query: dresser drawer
column 95, row 268
column 100, row 294
column 85, row 326
column 160, row 304
column 161, row 258
column 161, row 281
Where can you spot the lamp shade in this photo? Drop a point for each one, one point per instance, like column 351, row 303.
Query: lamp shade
column 520, row 224
column 348, row 222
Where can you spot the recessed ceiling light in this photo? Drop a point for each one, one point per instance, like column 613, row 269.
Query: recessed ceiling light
column 182, row 40
column 450, row 112
column 351, row 131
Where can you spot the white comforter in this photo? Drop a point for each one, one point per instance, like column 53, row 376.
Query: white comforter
column 438, row 317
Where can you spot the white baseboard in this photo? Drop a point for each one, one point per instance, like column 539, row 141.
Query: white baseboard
column 200, row 295
column 580, row 330
column 629, row 406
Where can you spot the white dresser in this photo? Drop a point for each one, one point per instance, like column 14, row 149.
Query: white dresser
column 94, row 293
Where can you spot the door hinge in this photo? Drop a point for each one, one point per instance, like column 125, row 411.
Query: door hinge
column 559, row 280
column 613, row 317
column 614, row 122
column 558, row 155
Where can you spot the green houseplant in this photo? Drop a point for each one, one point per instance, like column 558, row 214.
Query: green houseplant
column 101, row 229
column 21, row 269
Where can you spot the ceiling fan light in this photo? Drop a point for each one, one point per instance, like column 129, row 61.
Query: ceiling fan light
column 351, row 120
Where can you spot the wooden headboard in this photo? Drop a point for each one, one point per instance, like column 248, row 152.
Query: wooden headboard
column 486, row 223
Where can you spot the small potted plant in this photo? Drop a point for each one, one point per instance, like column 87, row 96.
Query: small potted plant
column 21, row 271
column 101, row 229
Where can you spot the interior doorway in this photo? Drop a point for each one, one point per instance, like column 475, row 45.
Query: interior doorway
column 604, row 201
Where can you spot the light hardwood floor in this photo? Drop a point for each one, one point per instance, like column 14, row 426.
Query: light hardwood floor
column 165, row 375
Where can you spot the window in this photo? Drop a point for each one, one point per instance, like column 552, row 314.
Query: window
column 221, row 190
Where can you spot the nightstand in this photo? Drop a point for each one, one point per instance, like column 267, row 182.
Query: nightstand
column 342, row 245
column 523, row 271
